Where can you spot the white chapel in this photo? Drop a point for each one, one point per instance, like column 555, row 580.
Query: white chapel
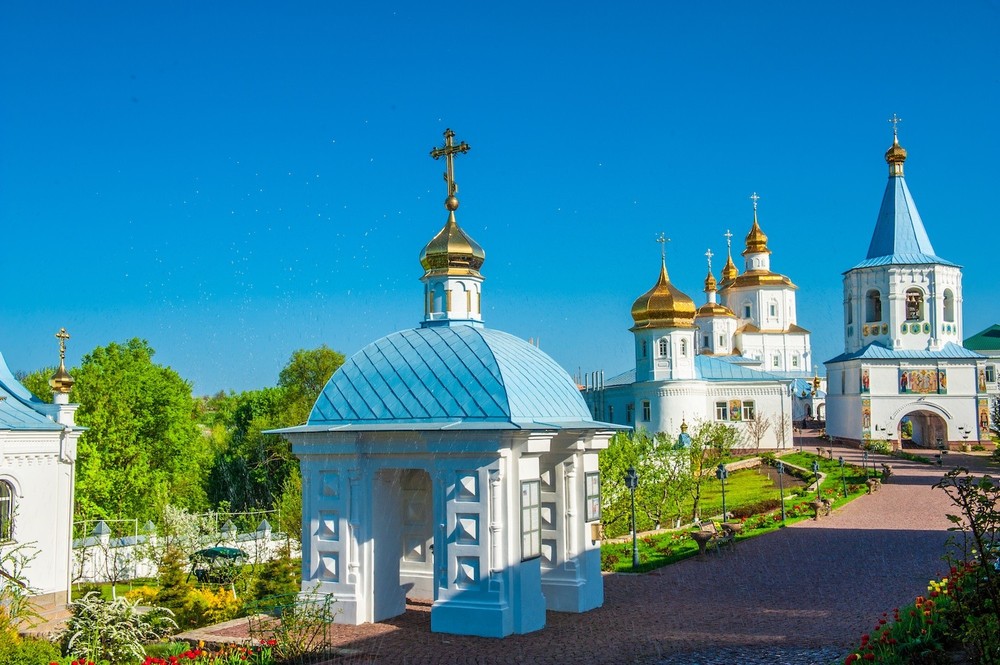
column 453, row 463
column 903, row 357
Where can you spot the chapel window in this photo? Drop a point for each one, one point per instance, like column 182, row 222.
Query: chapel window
column 663, row 347
column 776, row 360
column 914, row 305
column 592, row 481
column 949, row 306
column 531, row 519
column 747, row 311
column 6, row 511
column 684, row 348
column 645, row 411
column 643, row 348
column 991, row 373
column 795, row 360
column 722, row 341
column 704, row 341
column 873, row 306
column 611, row 413
column 629, row 410
column 722, row 410
column 749, row 412
column 773, row 309
column 850, row 310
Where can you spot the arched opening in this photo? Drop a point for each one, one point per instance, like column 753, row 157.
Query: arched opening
column 821, row 411
column 914, row 305
column 949, row 306
column 6, row 511
column 850, row 310
column 873, row 306
column 928, row 429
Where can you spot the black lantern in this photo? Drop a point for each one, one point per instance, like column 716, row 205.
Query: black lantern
column 722, row 473
column 632, row 482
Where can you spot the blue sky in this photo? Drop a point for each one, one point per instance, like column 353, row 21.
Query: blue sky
column 236, row 180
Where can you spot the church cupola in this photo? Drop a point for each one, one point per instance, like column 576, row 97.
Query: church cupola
column 61, row 382
column 451, row 260
column 716, row 323
column 756, row 254
column 664, row 305
column 729, row 271
column 896, row 154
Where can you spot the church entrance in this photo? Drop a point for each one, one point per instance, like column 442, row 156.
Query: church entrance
column 402, row 540
column 928, row 428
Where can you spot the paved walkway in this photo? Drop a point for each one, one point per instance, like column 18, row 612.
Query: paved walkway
column 799, row 595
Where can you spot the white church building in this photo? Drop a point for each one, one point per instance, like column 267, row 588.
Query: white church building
column 740, row 357
column 37, row 457
column 453, row 463
column 903, row 357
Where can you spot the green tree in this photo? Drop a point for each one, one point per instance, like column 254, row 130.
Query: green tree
column 667, row 479
column 303, row 378
column 142, row 448
column 710, row 444
column 626, row 449
column 38, row 382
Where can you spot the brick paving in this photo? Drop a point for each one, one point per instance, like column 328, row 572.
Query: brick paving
column 801, row 595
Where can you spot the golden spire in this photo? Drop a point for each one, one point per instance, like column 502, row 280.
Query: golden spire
column 61, row 381
column 756, row 240
column 710, row 284
column 451, row 251
column 729, row 272
column 896, row 154
column 664, row 305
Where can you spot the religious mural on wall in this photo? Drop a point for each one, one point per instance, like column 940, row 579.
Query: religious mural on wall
column 984, row 418
column 923, row 381
column 982, row 379
column 735, row 409
column 865, row 381
column 866, row 418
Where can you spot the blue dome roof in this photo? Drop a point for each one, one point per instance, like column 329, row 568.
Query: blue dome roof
column 450, row 375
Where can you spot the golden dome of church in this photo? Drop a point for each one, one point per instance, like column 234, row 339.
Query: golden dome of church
column 452, row 251
column 663, row 306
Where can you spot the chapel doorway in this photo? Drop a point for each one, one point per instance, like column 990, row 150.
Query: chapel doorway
column 402, row 540
column 929, row 429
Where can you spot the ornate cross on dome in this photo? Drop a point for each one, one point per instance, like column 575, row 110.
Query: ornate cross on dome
column 729, row 239
column 448, row 151
column 62, row 336
column 754, row 198
column 663, row 240
column 895, row 120
column 709, row 254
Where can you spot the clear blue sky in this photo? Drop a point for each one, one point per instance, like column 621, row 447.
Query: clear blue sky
column 236, row 180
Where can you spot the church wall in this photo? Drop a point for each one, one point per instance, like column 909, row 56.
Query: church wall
column 43, row 486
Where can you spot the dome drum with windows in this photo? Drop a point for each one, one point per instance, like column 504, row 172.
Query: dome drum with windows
column 663, row 306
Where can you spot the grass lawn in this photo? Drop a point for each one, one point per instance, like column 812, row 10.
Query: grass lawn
column 666, row 547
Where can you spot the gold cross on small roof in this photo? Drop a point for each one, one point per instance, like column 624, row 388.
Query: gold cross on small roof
column 448, row 151
column 663, row 240
column 894, row 121
column 62, row 336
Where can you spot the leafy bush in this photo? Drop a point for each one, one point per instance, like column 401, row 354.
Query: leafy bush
column 204, row 607
column 27, row 651
column 880, row 446
column 765, row 506
column 143, row 595
column 113, row 630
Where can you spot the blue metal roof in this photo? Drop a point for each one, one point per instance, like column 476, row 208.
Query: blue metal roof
column 449, row 376
column 19, row 409
column 718, row 368
column 876, row 351
column 899, row 236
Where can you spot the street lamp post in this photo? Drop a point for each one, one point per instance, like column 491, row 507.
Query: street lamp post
column 816, row 472
column 781, row 488
column 864, row 462
column 721, row 472
column 631, row 482
column 842, row 477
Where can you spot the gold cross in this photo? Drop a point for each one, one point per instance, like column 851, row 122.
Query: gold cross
column 754, row 198
column 729, row 239
column 62, row 336
column 895, row 120
column 709, row 254
column 663, row 240
column 448, row 152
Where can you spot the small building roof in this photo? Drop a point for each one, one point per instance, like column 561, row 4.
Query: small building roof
column 986, row 340
column 456, row 377
column 19, row 409
column 876, row 351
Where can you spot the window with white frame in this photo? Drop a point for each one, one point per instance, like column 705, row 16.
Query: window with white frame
column 776, row 360
column 795, row 360
column 531, row 519
column 6, row 511
column 722, row 410
column 684, row 348
column 645, row 410
column 991, row 373
column 663, row 347
column 773, row 309
column 722, row 341
column 749, row 412
column 592, row 480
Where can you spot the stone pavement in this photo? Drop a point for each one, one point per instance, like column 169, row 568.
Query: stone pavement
column 801, row 595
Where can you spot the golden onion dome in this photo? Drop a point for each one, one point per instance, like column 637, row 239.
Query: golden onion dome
column 452, row 251
column 756, row 240
column 61, row 381
column 729, row 271
column 710, row 284
column 895, row 156
column 714, row 309
column 663, row 306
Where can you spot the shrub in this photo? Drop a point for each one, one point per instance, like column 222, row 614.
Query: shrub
column 143, row 595
column 880, row 446
column 204, row 607
column 278, row 576
column 173, row 580
column 27, row 651
column 747, row 510
column 113, row 630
